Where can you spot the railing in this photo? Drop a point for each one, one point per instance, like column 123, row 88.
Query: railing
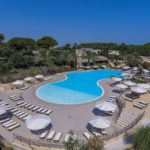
column 37, row 142
column 125, row 129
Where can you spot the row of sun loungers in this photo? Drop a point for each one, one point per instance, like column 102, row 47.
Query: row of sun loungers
column 9, row 124
column 33, row 107
column 141, row 105
column 51, row 135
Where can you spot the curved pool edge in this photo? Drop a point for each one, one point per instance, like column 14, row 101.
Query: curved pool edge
column 66, row 77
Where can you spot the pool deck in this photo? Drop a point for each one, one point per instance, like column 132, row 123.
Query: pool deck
column 64, row 117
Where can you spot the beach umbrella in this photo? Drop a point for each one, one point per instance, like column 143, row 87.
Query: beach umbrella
column 28, row 79
column 126, row 68
column 100, row 123
column 106, row 106
column 39, row 76
column 143, row 85
column 117, row 79
column 138, row 90
column 38, row 122
column 17, row 83
column 129, row 83
column 121, row 86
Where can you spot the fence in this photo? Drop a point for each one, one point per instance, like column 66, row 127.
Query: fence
column 125, row 129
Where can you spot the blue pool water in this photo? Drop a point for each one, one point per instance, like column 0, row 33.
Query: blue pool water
column 78, row 88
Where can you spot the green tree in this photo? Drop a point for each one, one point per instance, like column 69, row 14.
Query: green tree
column 2, row 38
column 46, row 42
column 141, row 138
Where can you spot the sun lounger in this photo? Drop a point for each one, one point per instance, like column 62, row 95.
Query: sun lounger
column 113, row 96
column 48, row 112
column 23, row 115
column 145, row 103
column 22, row 105
column 19, row 103
column 27, row 105
column 39, row 110
column 20, row 114
column 57, row 136
column 96, row 133
column 128, row 99
column 17, row 112
column 7, row 122
column 109, row 100
column 4, row 120
column 51, row 134
column 13, row 127
column 3, row 103
column 138, row 106
column 35, row 108
column 25, row 118
column 13, row 96
column 14, row 110
column 104, row 132
column 44, row 110
column 16, row 99
column 142, row 105
column 43, row 135
column 10, row 124
column 30, row 107
column 87, row 135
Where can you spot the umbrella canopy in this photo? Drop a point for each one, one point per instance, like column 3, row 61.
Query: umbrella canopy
column 3, row 110
column 17, row 83
column 126, row 68
column 116, row 79
column 121, row 86
column 39, row 76
column 106, row 106
column 29, row 79
column 145, row 86
column 129, row 83
column 100, row 123
column 138, row 90
column 38, row 122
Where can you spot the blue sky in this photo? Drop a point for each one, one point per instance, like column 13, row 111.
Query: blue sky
column 71, row 21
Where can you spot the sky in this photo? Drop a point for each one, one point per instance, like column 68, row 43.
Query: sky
column 77, row 21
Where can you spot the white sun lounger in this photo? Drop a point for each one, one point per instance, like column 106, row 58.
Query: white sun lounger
column 10, row 124
column 3, row 103
column 138, row 106
column 23, row 115
column 48, row 112
column 145, row 103
column 44, row 110
column 87, row 135
column 4, row 120
column 30, row 107
column 35, row 108
column 43, row 135
column 19, row 103
column 16, row 99
column 57, row 136
column 50, row 136
column 12, row 96
column 27, row 105
column 17, row 112
column 13, row 127
column 7, row 122
column 25, row 118
column 15, row 109
column 10, row 108
column 39, row 110
column 113, row 96
column 22, row 105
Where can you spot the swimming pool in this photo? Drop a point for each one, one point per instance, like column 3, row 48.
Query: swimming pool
column 77, row 88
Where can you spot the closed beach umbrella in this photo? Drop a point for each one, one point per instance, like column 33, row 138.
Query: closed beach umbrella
column 129, row 83
column 106, row 107
column 121, row 86
column 138, row 90
column 29, row 79
column 17, row 83
column 100, row 123
column 145, row 86
column 116, row 79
